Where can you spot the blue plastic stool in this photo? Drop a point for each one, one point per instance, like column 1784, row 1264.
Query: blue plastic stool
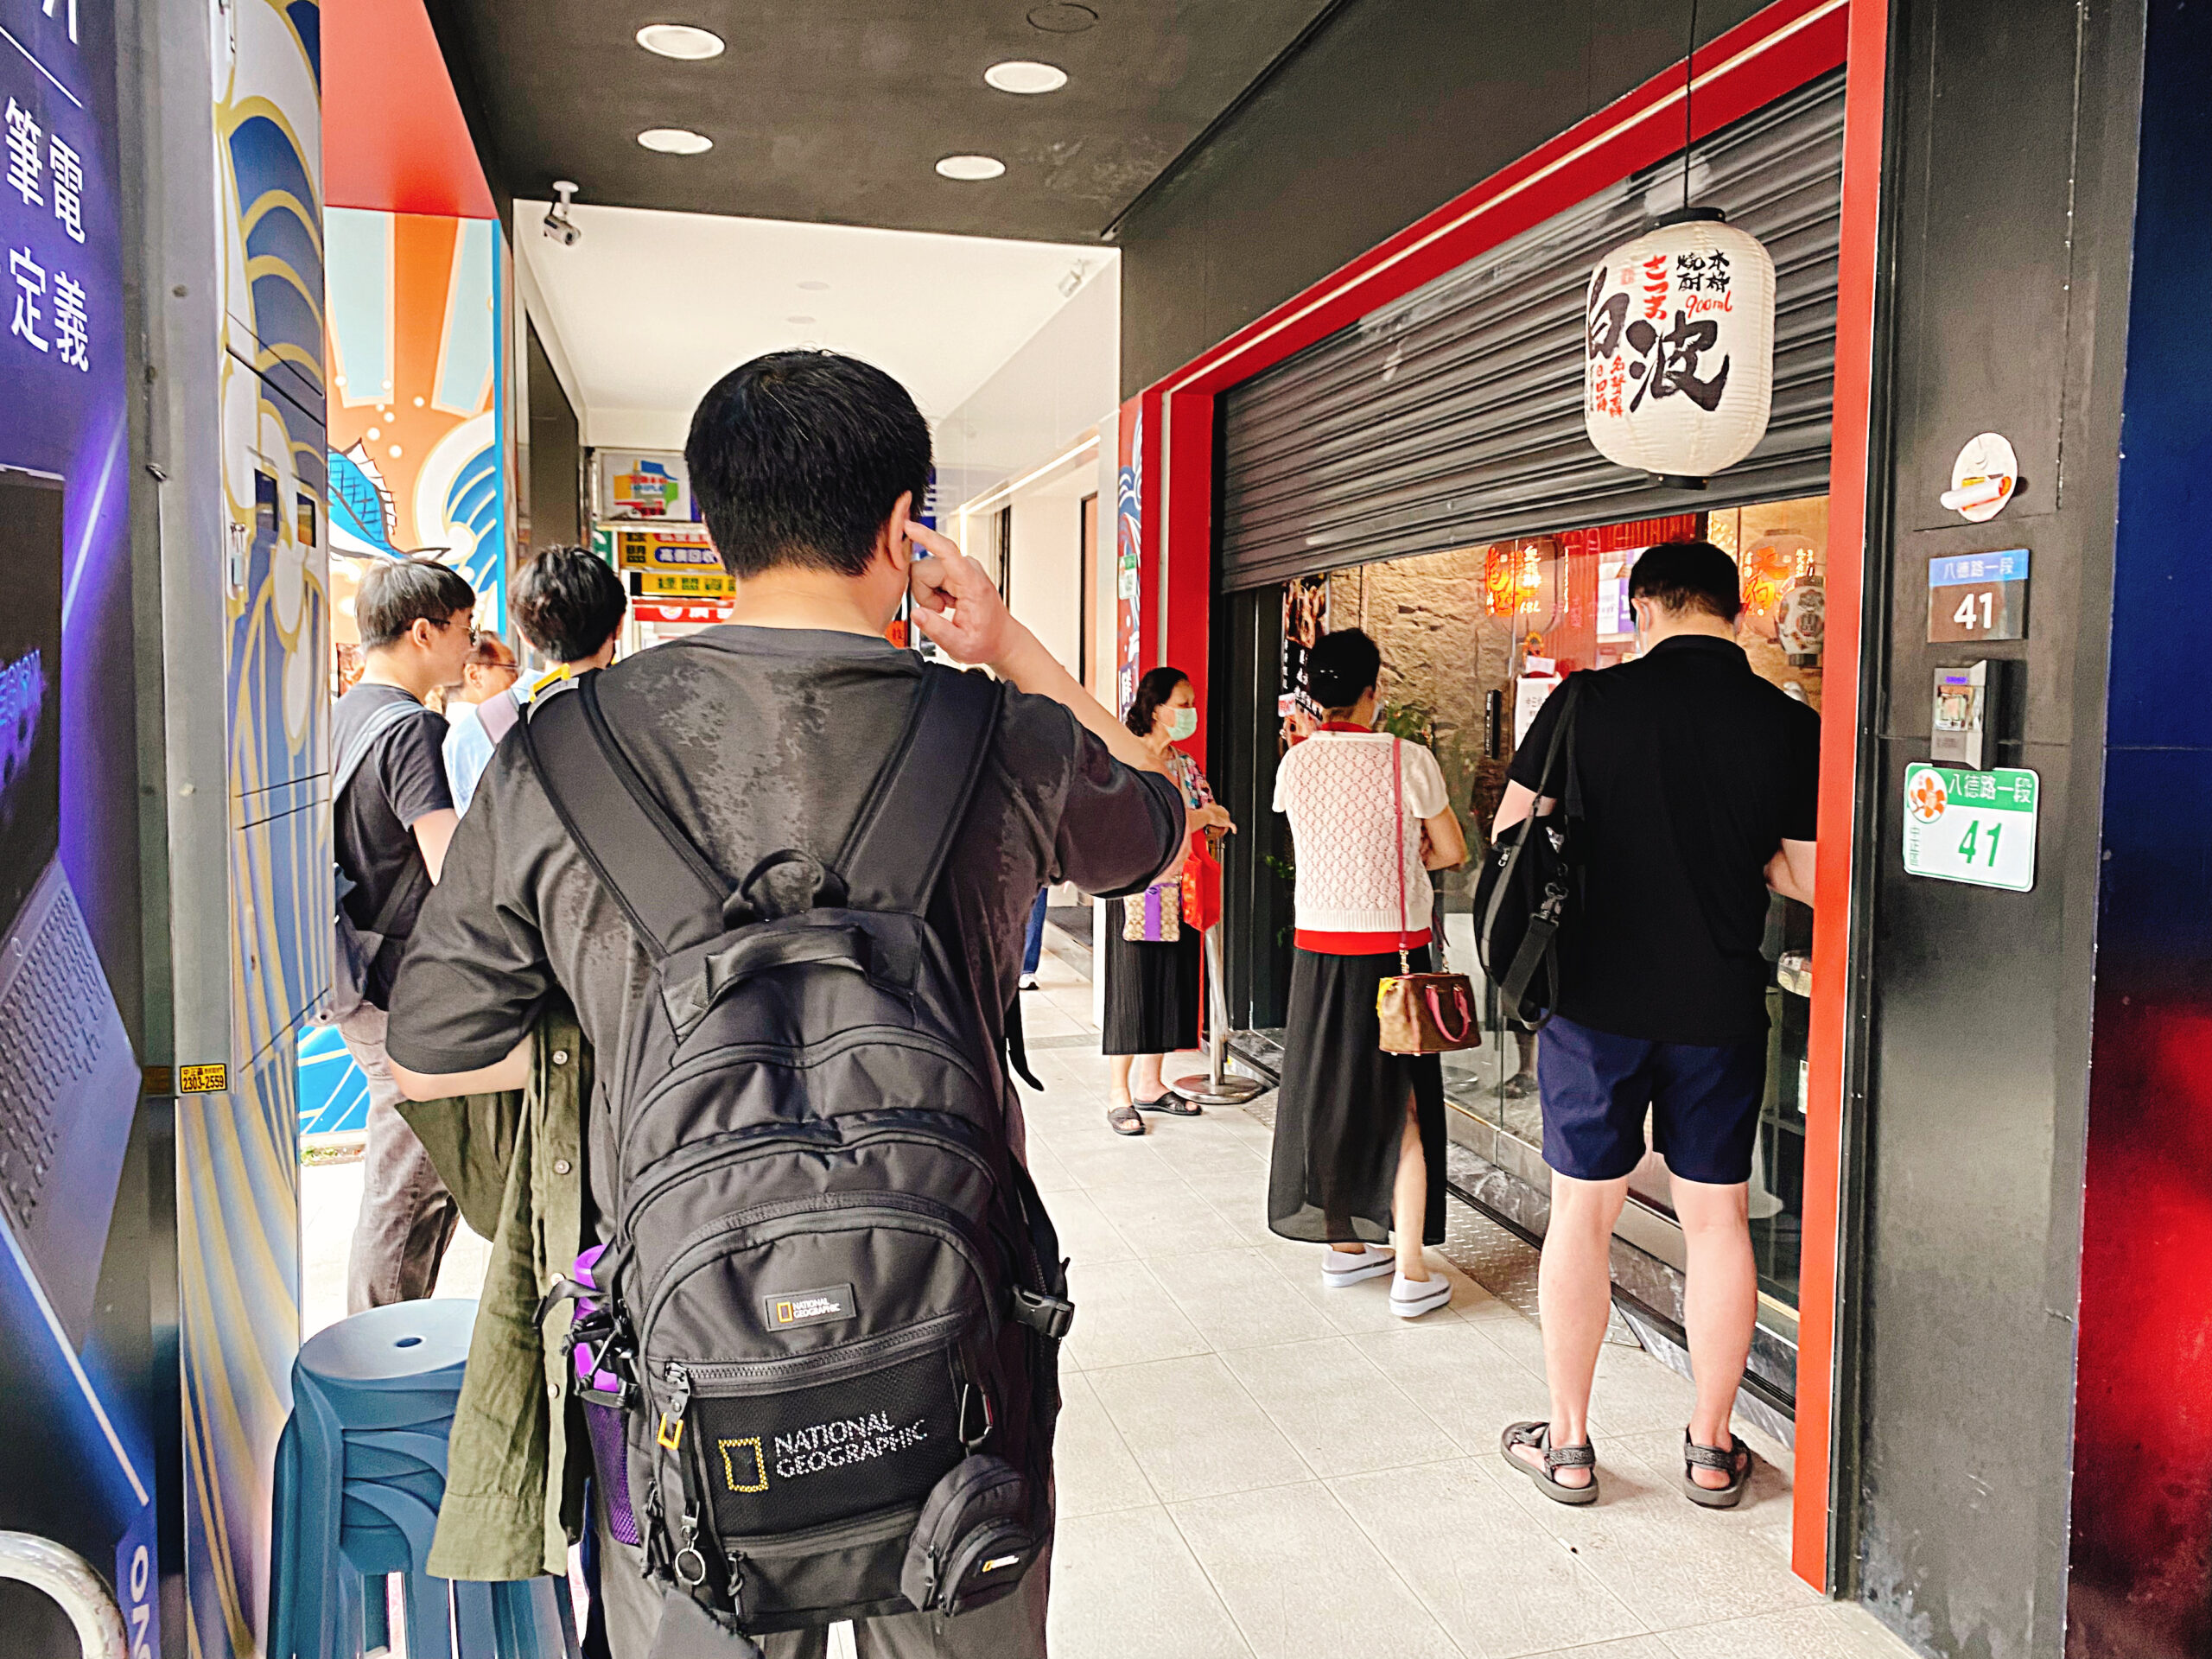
column 359, row 1474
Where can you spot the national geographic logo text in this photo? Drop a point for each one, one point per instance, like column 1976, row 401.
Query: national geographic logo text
column 785, row 1310
column 839, row 1444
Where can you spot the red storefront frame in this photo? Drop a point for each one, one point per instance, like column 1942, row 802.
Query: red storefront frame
column 1767, row 56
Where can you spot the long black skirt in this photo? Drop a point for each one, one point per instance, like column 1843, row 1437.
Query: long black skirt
column 1152, row 992
column 1342, row 1112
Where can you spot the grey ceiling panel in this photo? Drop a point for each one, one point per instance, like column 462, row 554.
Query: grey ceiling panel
column 833, row 111
column 1454, row 416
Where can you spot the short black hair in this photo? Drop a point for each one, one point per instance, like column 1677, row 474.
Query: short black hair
column 798, row 457
column 1687, row 576
column 397, row 594
column 1341, row 666
column 1158, row 685
column 568, row 602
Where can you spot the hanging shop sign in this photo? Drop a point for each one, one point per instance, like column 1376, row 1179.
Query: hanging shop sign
column 1977, row 596
column 708, row 611
column 642, row 486
column 671, row 564
column 1974, row 827
column 1678, row 368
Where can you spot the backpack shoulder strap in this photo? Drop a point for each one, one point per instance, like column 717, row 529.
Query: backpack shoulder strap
column 905, row 828
column 671, row 895
column 499, row 713
column 364, row 740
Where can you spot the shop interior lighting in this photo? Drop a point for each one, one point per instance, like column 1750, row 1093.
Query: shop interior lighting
column 971, row 169
column 676, row 140
column 1022, row 75
column 680, row 41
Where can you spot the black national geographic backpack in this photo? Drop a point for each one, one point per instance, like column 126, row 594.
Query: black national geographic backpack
column 829, row 1319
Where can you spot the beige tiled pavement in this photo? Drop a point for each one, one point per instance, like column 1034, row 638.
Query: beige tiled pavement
column 1250, row 1465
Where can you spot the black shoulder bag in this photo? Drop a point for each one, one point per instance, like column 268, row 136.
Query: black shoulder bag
column 1528, row 883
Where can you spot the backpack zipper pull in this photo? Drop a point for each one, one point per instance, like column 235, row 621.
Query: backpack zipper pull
column 737, row 1584
column 670, row 1436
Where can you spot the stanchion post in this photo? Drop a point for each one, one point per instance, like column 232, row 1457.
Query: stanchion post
column 1217, row 1087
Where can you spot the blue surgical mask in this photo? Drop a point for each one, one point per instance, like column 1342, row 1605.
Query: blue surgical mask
column 1182, row 723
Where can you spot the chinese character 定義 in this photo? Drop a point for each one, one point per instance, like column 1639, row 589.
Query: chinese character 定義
column 30, row 286
column 67, row 171
column 72, row 329
column 23, row 163
column 1674, row 367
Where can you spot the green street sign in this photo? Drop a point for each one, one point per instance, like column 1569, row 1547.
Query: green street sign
column 1975, row 827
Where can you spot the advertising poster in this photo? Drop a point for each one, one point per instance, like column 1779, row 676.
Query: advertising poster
column 1129, row 556
column 76, row 1364
column 1305, row 620
column 644, row 486
column 415, row 359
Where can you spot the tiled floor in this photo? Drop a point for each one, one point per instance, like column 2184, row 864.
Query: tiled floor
column 1252, row 1464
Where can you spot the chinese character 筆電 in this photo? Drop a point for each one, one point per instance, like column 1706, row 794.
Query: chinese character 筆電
column 69, row 174
column 23, row 138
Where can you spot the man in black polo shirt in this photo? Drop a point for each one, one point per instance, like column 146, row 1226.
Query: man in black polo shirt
column 1699, row 782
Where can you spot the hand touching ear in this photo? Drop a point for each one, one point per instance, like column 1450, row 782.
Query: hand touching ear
column 956, row 607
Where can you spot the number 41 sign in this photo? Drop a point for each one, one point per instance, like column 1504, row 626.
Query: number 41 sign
column 1977, row 827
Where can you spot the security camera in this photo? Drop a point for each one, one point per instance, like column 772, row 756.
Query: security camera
column 558, row 225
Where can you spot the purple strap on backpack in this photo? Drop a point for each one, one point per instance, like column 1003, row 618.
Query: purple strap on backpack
column 609, row 1456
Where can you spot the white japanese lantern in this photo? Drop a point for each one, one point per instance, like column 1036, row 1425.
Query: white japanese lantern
column 1678, row 343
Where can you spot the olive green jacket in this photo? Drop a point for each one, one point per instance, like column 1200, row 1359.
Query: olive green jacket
column 518, row 1456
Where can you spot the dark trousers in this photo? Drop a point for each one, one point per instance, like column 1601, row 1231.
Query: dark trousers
column 1012, row 1629
column 407, row 1216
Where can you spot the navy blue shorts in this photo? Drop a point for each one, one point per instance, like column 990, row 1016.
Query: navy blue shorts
column 1704, row 1102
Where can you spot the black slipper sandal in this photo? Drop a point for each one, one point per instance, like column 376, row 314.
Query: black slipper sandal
column 1172, row 1104
column 1124, row 1120
column 1735, row 1462
column 1539, row 1435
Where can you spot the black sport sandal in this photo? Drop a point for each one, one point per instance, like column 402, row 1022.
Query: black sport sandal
column 1735, row 1461
column 1539, row 1435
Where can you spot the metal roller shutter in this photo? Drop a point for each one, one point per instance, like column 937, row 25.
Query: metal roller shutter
column 1454, row 416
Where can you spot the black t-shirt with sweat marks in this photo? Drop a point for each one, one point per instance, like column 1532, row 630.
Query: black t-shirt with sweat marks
column 755, row 740
column 1695, row 771
column 373, row 825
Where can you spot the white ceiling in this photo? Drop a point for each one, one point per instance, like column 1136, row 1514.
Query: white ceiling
column 653, row 307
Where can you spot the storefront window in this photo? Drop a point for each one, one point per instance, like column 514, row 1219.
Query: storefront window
column 1472, row 641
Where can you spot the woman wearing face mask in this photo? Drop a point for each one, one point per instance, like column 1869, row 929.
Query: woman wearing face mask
column 1152, row 956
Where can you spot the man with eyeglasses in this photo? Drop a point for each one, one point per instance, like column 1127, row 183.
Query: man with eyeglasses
column 392, row 818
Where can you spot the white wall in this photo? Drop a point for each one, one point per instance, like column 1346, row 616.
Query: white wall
column 1062, row 382
column 1048, row 563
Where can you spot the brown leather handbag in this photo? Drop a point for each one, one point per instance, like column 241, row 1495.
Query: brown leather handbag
column 1421, row 1014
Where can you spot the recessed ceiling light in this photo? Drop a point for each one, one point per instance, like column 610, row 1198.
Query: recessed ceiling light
column 675, row 141
column 1063, row 19
column 815, row 286
column 802, row 321
column 971, row 168
column 1023, row 76
column 680, row 41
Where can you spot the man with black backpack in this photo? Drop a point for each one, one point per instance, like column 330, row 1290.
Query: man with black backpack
column 782, row 870
column 1683, row 787
column 392, row 818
